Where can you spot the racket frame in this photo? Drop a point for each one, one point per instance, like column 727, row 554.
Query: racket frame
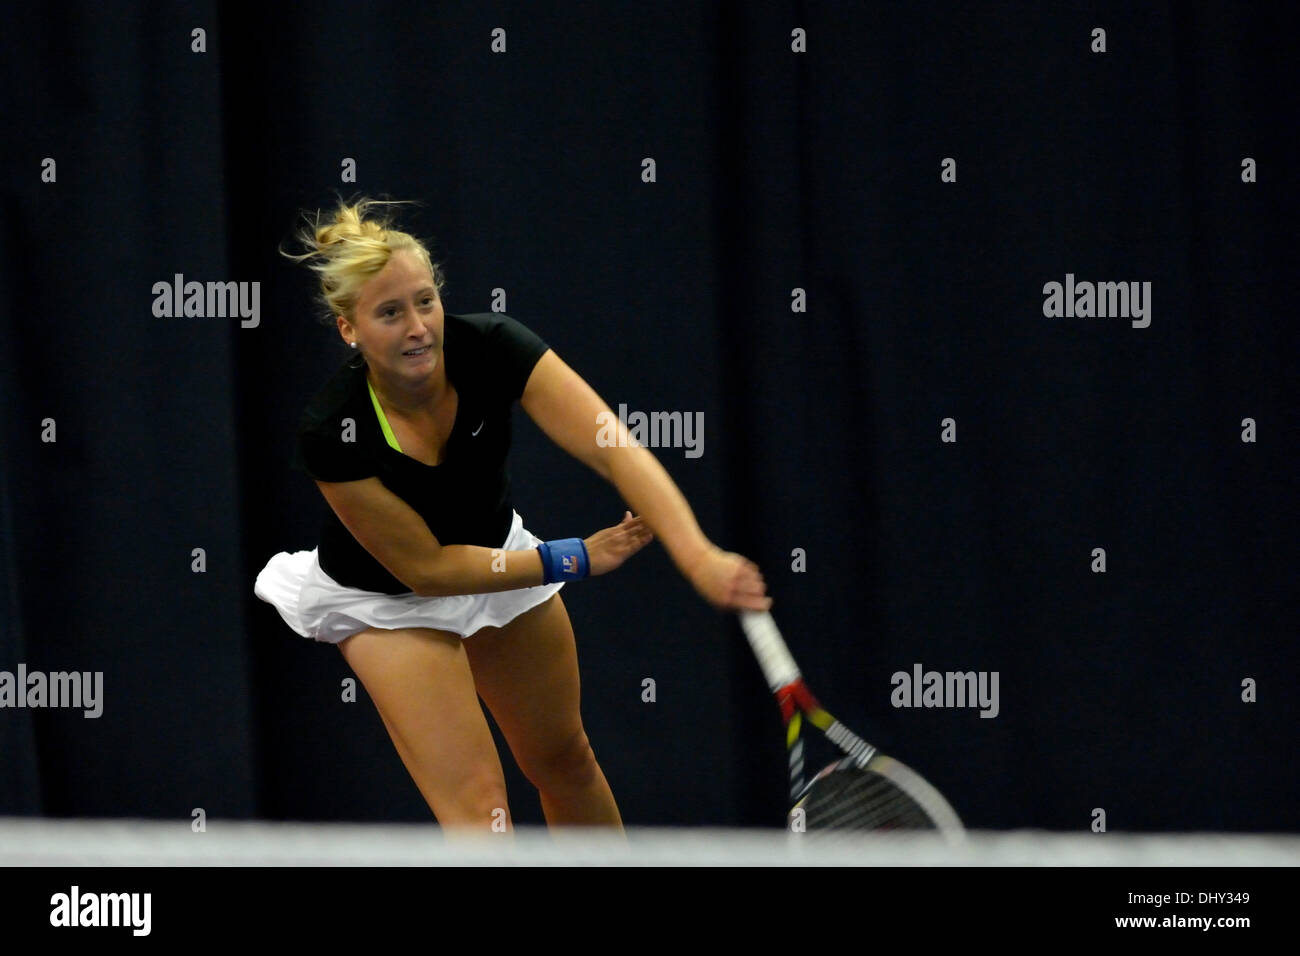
column 795, row 699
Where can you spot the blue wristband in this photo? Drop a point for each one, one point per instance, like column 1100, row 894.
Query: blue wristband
column 564, row 559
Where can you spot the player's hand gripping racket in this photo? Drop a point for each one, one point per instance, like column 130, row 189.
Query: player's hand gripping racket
column 865, row 790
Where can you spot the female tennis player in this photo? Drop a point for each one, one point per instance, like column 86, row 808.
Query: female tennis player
column 424, row 575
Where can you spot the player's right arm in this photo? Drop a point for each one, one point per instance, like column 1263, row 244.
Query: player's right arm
column 399, row 539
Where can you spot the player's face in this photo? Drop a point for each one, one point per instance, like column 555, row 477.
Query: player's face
column 399, row 319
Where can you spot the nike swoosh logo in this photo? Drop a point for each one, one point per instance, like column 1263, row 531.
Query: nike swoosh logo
column 479, row 429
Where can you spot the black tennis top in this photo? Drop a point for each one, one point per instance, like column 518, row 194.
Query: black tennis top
column 466, row 498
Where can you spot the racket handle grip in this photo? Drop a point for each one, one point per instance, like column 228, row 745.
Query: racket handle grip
column 773, row 656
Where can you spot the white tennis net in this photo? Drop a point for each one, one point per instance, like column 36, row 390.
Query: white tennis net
column 61, row 842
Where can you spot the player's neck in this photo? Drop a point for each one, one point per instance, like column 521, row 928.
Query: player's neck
column 411, row 398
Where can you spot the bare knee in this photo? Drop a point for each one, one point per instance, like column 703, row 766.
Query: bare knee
column 477, row 802
column 566, row 765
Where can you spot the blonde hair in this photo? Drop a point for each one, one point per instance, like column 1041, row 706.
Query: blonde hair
column 349, row 249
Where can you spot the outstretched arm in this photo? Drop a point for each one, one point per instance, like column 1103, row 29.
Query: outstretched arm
column 571, row 414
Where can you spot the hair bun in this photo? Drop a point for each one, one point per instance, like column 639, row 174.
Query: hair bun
column 347, row 248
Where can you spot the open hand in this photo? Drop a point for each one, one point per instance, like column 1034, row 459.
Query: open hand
column 608, row 549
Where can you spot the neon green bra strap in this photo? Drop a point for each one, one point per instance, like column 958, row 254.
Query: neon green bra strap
column 383, row 422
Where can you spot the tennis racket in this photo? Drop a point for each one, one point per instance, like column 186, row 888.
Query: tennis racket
column 864, row 790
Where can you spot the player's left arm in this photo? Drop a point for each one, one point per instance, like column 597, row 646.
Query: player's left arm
column 572, row 415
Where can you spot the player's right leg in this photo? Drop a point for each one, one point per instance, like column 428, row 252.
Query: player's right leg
column 420, row 681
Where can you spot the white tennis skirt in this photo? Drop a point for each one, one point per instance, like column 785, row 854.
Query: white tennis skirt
column 317, row 606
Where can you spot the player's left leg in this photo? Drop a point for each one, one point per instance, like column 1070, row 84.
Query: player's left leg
column 527, row 674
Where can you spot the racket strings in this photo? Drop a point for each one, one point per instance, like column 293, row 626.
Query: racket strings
column 860, row 799
column 897, row 811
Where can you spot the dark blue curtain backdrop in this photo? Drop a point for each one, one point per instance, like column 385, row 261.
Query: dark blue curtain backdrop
column 883, row 396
